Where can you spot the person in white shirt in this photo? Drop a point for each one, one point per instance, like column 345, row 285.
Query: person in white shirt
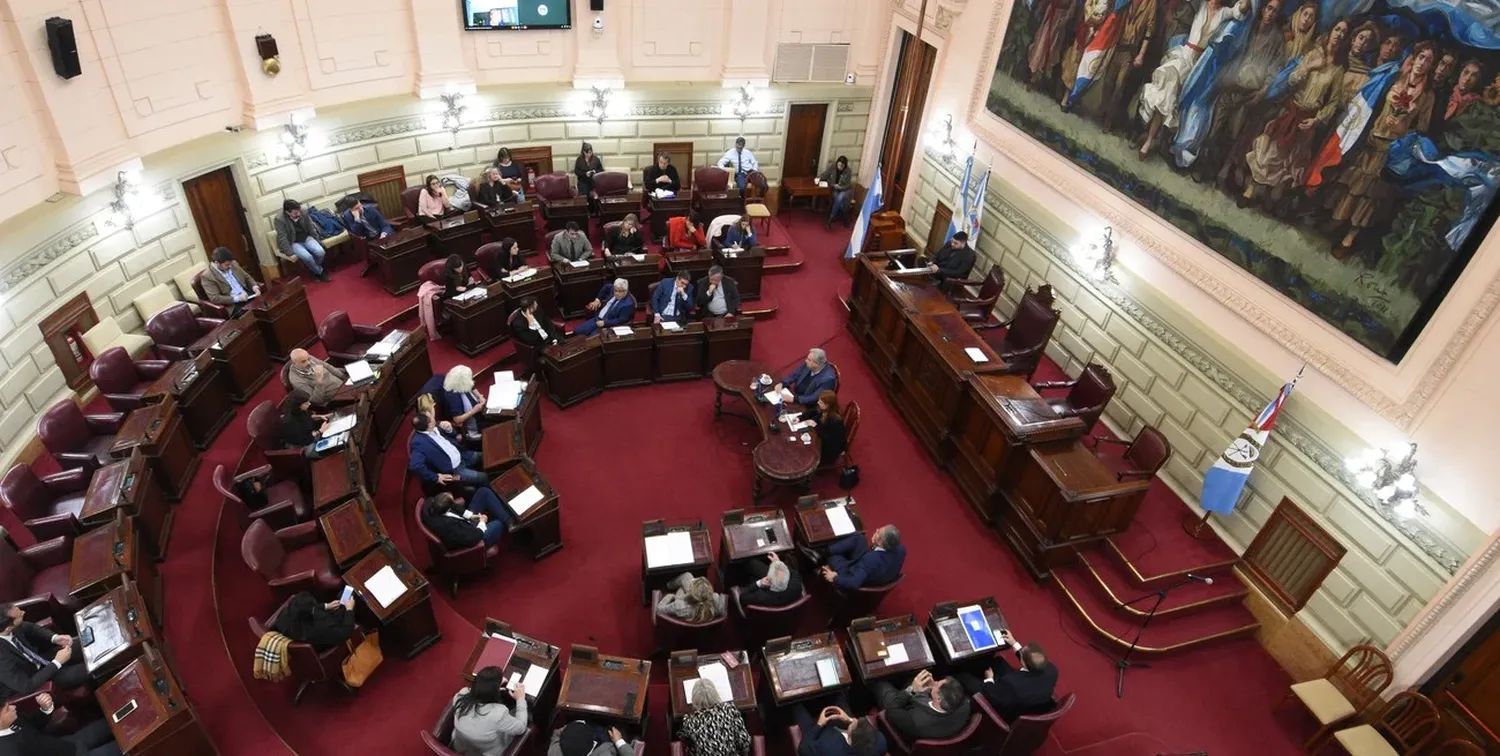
column 32, row 656
column 739, row 161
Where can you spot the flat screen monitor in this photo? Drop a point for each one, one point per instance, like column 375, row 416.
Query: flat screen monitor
column 516, row 14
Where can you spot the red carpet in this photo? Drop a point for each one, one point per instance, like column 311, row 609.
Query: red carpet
column 682, row 464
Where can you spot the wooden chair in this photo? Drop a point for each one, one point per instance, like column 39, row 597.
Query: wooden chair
column 1351, row 684
column 1458, row 747
column 976, row 300
column 1088, row 395
column 1142, row 457
column 385, row 186
column 1408, row 720
column 1028, row 331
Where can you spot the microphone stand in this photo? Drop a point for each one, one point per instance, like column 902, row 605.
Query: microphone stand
column 1123, row 663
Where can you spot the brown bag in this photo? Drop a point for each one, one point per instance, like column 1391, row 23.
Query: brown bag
column 363, row 660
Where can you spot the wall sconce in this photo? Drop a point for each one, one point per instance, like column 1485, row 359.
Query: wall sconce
column 128, row 203
column 746, row 102
column 1098, row 258
column 599, row 104
column 1390, row 474
column 270, row 57
column 942, row 133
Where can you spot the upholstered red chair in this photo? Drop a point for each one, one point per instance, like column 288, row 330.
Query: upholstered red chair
column 958, row 745
column 761, row 623
column 611, row 184
column 308, row 666
column 264, row 426
column 38, row 580
column 1027, row 332
column 75, row 439
column 1141, row 457
column 440, row 737
column 671, row 632
column 975, row 299
column 47, row 505
column 281, row 503
column 550, row 188
column 1088, row 394
column 455, row 564
column 177, row 328
column 291, row 559
column 757, row 747
column 123, row 381
column 345, row 341
column 1027, row 733
column 860, row 602
column 410, row 196
column 709, row 178
column 204, row 306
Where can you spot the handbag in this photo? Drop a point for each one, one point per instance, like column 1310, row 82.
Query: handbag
column 363, row 660
column 849, row 476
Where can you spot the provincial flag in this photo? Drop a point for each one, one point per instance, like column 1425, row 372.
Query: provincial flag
column 1224, row 482
column 1093, row 53
column 958, row 221
column 874, row 200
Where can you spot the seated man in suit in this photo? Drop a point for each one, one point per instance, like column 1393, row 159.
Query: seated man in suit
column 954, row 260
column 614, row 306
column 673, row 299
column 459, row 527
column 570, row 246
column 314, row 377
column 718, row 294
column 852, row 563
column 32, row 656
column 927, row 709
column 811, row 378
column 835, row 733
column 579, row 738
column 366, row 222
column 226, row 283
column 776, row 583
column 26, row 735
column 1016, row 692
column 436, row 457
column 532, row 327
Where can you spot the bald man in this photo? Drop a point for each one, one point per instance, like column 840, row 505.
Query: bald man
column 314, row 377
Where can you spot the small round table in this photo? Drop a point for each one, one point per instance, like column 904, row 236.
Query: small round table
column 781, row 458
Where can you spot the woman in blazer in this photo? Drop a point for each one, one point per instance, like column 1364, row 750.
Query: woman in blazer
column 832, row 434
column 484, row 722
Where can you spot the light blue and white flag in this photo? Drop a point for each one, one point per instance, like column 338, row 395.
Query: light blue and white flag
column 960, row 215
column 1224, row 482
column 874, row 200
column 976, row 208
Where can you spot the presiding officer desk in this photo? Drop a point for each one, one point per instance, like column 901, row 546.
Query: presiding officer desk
column 584, row 366
column 1021, row 467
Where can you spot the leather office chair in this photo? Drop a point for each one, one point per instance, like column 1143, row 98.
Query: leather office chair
column 124, row 381
column 1458, row 747
column 550, row 188
column 441, row 734
column 958, row 745
column 757, row 747
column 410, row 196
column 1028, row 331
column 671, row 632
column 611, row 184
column 1142, row 456
column 207, row 308
column 75, row 439
column 709, row 178
column 487, row 259
column 860, row 602
column 1088, row 394
column 47, row 505
column 38, row 579
column 975, row 299
column 455, row 564
column 1027, row 733
column 107, row 333
column 308, row 666
column 264, row 426
column 177, row 328
column 762, row 623
column 291, row 559
column 281, row 505
column 345, row 341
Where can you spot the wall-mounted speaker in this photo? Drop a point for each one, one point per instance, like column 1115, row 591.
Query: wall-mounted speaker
column 596, row 5
column 64, row 48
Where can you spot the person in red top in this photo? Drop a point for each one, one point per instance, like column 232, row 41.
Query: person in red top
column 685, row 233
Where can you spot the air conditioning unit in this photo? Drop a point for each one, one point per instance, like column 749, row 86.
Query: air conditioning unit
column 798, row 63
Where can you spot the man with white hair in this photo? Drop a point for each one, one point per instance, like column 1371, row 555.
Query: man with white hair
column 812, row 377
column 614, row 306
column 464, row 404
column 776, row 583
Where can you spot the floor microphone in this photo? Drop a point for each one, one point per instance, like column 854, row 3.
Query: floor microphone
column 1200, row 578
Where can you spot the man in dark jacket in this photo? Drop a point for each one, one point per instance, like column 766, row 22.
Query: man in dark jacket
column 928, row 708
column 1016, row 692
column 954, row 260
column 835, row 733
column 718, row 294
column 26, row 735
column 459, row 527
column 32, row 656
column 776, row 583
column 297, row 238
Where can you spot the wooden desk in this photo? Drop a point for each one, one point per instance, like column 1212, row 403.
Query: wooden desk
column 163, row 722
column 574, row 370
column 398, row 257
column 352, row 529
column 813, row 527
column 879, row 307
column 627, row 359
column 503, row 445
column 516, row 221
column 728, row 338
column 640, row 274
column 541, row 285
column 335, row 478
column 780, row 459
column 682, row 668
column 578, row 285
column 157, row 431
column 946, row 631
column 408, row 626
column 541, row 529
column 714, row 204
column 748, row 536
column 558, row 212
column 616, row 207
column 479, row 324
column 609, row 688
column 285, row 319
column 239, row 348
column 1063, row 497
column 114, row 629
column 528, row 652
column 663, row 210
column 655, row 577
column 459, row 235
column 104, row 558
column 932, row 370
column 695, row 263
column 679, row 354
column 746, row 266
column 201, row 390
column 804, row 187
column 410, row 366
column 792, row 667
column 870, row 640
column 528, row 415
column 998, row 417
column 128, row 486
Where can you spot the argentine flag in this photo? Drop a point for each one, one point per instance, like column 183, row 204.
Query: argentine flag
column 1224, row 482
column 874, row 200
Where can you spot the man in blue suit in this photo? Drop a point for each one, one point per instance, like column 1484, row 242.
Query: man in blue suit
column 673, row 299
column 437, row 458
column 835, row 733
column 366, row 222
column 852, row 563
column 614, row 306
column 812, row 377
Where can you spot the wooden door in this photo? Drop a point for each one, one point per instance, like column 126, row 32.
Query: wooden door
column 1467, row 691
column 942, row 215
column 804, row 141
column 903, row 125
column 220, row 216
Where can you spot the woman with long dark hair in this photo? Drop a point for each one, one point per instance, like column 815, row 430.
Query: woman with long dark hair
column 300, row 427
column 484, row 723
column 508, row 260
column 320, row 625
column 585, row 168
column 829, row 420
column 433, row 202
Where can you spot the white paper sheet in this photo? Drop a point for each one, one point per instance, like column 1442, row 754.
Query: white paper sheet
column 503, row 396
column 381, row 349
column 667, row 550
column 385, row 586
column 638, row 256
column 773, row 397
column 838, row 519
column 474, row 293
column 976, row 354
column 520, row 275
column 525, row 500
column 505, row 376
column 895, row 654
column 359, row 371
column 668, row 325
column 535, row 679
column 340, row 424
column 828, row 672
column 717, row 675
column 623, row 330
column 579, row 263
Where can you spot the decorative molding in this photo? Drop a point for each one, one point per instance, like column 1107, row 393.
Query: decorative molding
column 47, row 253
column 943, row 19
column 845, row 107
column 1445, row 601
column 1166, row 244
column 377, row 130
column 257, row 160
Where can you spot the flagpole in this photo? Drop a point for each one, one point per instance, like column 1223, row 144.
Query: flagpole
column 1195, row 526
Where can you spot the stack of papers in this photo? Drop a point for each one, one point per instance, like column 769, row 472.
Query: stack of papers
column 505, row 394
column 714, row 673
column 359, row 372
column 623, row 331
column 520, row 275
column 838, row 519
column 895, row 653
column 475, row 293
column 828, row 672
column 668, row 550
column 670, row 325
column 638, row 256
column 579, row 263
column 385, row 586
column 976, row 354
column 535, row 678
column 340, row 424
column 663, row 193
column 525, row 500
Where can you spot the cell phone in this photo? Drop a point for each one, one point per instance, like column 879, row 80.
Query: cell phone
column 123, row 711
column 348, row 594
column 770, row 535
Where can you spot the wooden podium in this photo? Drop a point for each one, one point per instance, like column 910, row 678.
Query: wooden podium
column 540, row 284
column 285, row 319
column 114, row 630
column 352, row 529
column 932, row 370
column 408, row 626
column 663, row 210
column 714, row 204
column 695, row 263
column 541, row 529
column 627, row 359
column 158, row 431
column 459, row 235
column 616, row 207
column 575, row 209
column 335, row 478
column 577, row 285
column 148, row 713
column 240, row 351
column 639, row 273
column 479, row 324
column 201, row 389
column 746, row 266
column 409, row 367
column 104, row 558
column 516, row 221
column 679, row 354
column 574, row 370
column 129, row 486
column 528, row 415
column 728, row 338
column 398, row 257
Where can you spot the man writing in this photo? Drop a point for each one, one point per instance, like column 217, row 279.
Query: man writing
column 570, row 246
column 741, row 161
column 718, row 294
column 673, row 299
column 225, row 283
column 31, row 656
column 314, row 377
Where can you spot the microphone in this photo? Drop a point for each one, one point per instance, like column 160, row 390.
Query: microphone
column 1199, row 578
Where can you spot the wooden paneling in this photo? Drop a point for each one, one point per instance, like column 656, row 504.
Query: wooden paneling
column 904, row 117
column 804, row 141
column 1467, row 690
column 942, row 215
column 219, row 215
